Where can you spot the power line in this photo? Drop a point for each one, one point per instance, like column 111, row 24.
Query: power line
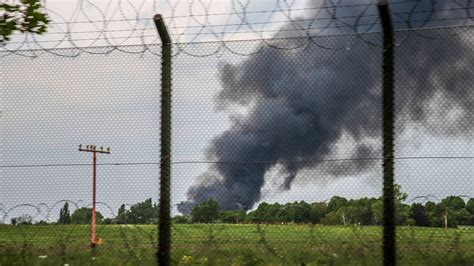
column 230, row 162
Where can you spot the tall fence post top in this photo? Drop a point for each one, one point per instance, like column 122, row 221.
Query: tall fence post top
column 162, row 30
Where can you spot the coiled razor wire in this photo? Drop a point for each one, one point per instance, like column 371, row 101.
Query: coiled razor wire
column 121, row 25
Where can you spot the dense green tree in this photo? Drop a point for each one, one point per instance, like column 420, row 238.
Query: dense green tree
column 298, row 212
column 431, row 211
column 454, row 208
column 335, row 203
column 276, row 213
column 357, row 212
column 345, row 215
column 24, row 219
column 402, row 211
column 317, row 212
column 181, row 219
column 436, row 213
column 205, row 212
column 143, row 212
column 462, row 217
column 453, row 203
column 84, row 216
column 377, row 211
column 121, row 210
column 260, row 214
column 362, row 211
column 64, row 214
column 470, row 209
column 123, row 216
column 470, row 206
column 108, row 221
column 333, row 218
column 419, row 215
column 234, row 216
column 22, row 16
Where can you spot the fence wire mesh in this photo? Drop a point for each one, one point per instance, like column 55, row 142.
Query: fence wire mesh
column 276, row 152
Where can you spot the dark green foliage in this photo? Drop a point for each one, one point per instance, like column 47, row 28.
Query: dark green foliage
column 298, row 212
column 178, row 219
column 122, row 215
column 338, row 211
column 108, row 221
column 317, row 212
column 335, row 203
column 84, row 216
column 64, row 214
column 24, row 219
column 419, row 215
column 359, row 212
column 25, row 16
column 145, row 212
column 461, row 217
column 454, row 207
column 453, row 203
column 470, row 209
column 402, row 211
column 205, row 212
column 470, row 206
column 233, row 217
column 364, row 211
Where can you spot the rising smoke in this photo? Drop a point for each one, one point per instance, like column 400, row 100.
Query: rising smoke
column 302, row 103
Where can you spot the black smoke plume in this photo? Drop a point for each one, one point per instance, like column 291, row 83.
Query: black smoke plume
column 301, row 103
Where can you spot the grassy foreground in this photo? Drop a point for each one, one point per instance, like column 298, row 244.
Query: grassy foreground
column 223, row 244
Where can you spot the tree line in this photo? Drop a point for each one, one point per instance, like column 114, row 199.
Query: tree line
column 451, row 211
column 145, row 212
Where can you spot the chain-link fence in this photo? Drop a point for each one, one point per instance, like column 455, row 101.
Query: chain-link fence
column 276, row 152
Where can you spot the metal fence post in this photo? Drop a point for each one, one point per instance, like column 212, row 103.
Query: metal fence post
column 388, row 94
column 164, row 223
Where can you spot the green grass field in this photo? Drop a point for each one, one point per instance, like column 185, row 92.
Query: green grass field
column 222, row 244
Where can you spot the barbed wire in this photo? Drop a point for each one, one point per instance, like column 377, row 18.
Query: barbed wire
column 44, row 211
column 206, row 33
column 117, row 24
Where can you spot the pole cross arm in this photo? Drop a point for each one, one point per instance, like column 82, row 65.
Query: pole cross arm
column 93, row 148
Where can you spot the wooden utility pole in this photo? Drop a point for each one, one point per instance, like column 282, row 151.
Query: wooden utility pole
column 94, row 150
column 164, row 223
